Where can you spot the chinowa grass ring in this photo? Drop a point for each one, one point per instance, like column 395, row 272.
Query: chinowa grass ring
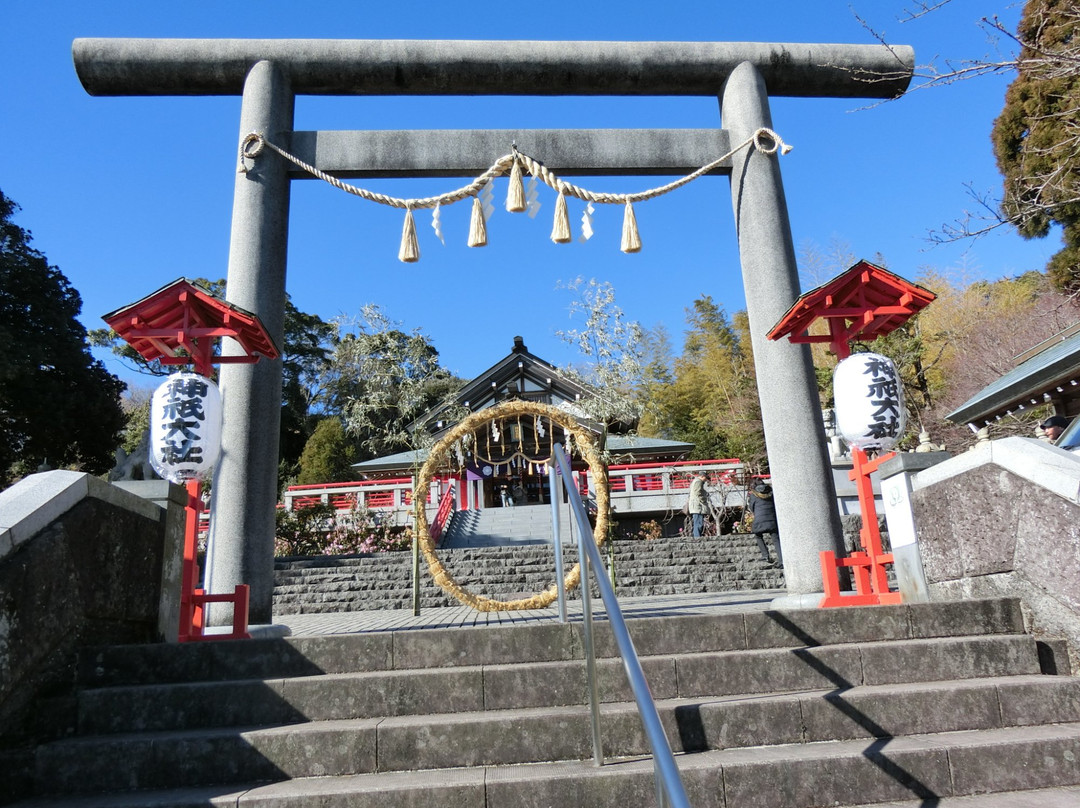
column 586, row 447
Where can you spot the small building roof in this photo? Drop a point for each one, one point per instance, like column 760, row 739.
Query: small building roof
column 179, row 315
column 863, row 302
column 643, row 449
column 402, row 461
column 1051, row 373
column 647, row 447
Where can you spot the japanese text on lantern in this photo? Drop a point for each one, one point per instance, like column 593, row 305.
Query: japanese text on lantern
column 883, row 391
column 182, row 416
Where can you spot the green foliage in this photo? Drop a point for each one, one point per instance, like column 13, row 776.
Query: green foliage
column 1035, row 135
column 137, row 412
column 321, row 530
column 709, row 398
column 328, row 455
column 308, row 389
column 388, row 378
column 57, row 403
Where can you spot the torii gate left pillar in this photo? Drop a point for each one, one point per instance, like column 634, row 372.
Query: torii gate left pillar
column 247, row 471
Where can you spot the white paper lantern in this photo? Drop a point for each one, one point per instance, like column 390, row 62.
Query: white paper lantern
column 870, row 411
column 185, row 427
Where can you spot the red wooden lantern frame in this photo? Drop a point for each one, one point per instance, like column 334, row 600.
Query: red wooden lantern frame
column 182, row 324
column 863, row 303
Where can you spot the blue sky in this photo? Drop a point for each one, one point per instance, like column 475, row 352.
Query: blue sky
column 127, row 194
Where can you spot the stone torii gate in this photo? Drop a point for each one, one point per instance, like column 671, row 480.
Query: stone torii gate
column 270, row 73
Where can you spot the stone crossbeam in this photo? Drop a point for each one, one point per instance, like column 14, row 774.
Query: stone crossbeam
column 117, row 66
column 466, row 153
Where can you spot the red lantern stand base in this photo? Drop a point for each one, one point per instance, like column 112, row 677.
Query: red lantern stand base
column 868, row 564
column 193, row 600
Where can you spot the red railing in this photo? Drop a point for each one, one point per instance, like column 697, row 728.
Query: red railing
column 371, row 494
column 442, row 516
column 628, row 480
column 648, row 482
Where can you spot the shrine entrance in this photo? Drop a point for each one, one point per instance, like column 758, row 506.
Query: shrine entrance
column 268, row 74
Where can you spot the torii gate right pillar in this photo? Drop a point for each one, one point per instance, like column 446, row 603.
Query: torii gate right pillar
column 806, row 509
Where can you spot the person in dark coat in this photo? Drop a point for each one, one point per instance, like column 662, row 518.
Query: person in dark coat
column 763, row 508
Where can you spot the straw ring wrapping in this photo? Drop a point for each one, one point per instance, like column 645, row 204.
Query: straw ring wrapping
column 439, row 452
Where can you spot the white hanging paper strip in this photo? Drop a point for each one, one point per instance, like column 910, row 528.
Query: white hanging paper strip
column 586, row 223
column 532, row 196
column 487, row 199
column 436, row 223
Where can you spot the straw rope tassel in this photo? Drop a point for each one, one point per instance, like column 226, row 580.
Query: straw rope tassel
column 515, row 195
column 477, row 225
column 410, row 249
column 560, row 232
column 631, row 240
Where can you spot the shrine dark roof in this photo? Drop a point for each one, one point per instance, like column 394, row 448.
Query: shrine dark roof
column 168, row 320
column 864, row 303
column 520, row 374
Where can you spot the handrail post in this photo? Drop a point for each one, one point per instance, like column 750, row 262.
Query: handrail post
column 590, row 650
column 663, row 760
column 556, row 538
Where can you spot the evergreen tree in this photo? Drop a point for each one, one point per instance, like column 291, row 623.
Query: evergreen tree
column 328, row 455
column 387, row 379
column 1036, row 134
column 57, row 403
column 710, row 398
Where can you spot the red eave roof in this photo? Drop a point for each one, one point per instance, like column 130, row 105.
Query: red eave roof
column 867, row 300
column 162, row 323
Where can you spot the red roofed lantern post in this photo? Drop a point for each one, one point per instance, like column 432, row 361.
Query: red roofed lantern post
column 180, row 324
column 863, row 303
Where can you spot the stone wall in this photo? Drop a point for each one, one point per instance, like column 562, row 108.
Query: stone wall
column 1005, row 521
column 81, row 564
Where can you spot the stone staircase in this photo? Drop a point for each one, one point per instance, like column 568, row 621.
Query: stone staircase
column 795, row 709
column 519, row 525
column 508, row 572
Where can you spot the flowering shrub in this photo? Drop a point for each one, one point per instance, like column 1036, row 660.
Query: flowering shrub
column 647, row 531
column 321, row 530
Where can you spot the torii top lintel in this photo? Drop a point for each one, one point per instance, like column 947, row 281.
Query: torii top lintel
column 863, row 302
column 115, row 66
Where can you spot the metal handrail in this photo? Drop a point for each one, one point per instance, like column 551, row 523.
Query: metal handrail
column 668, row 782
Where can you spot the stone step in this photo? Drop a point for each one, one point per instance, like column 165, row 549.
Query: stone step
column 929, row 766
column 148, row 708
column 501, row 731
column 797, row 708
column 540, row 642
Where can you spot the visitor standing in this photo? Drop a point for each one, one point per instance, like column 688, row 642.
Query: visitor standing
column 698, row 505
column 762, row 506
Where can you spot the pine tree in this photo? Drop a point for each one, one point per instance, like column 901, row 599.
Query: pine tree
column 1035, row 137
